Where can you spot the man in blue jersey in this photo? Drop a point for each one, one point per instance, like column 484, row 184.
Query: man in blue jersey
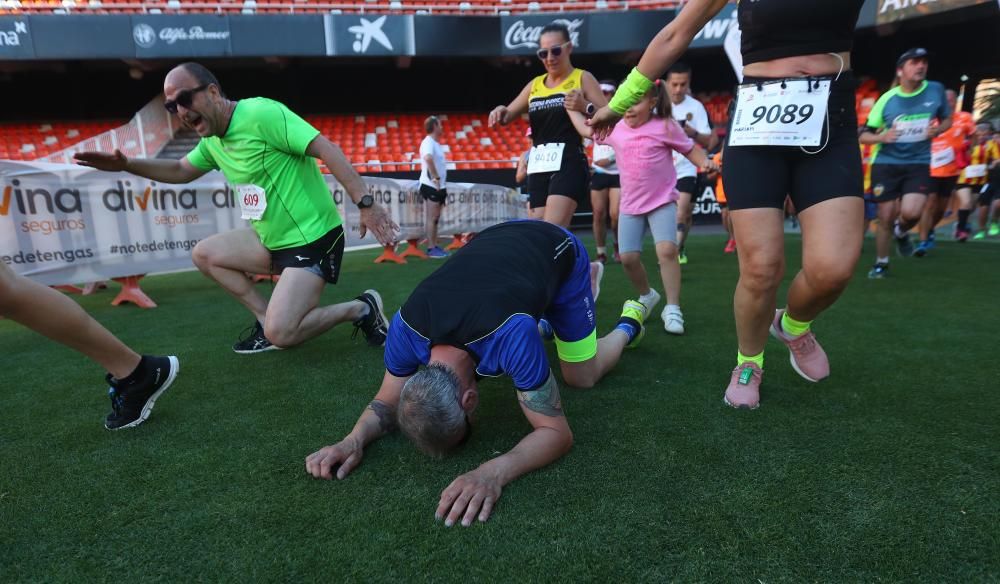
column 902, row 124
column 512, row 274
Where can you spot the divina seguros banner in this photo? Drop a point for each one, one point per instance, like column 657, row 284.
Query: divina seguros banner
column 66, row 224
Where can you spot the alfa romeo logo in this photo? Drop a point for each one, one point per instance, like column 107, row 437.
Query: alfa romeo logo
column 144, row 35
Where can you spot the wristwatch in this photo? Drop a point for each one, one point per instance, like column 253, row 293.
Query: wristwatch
column 591, row 110
column 366, row 202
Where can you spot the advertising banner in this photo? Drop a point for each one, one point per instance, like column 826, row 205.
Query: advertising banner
column 79, row 36
column 713, row 34
column 456, row 36
column 15, row 38
column 65, row 224
column 519, row 33
column 277, row 35
column 894, row 10
column 357, row 35
column 180, row 35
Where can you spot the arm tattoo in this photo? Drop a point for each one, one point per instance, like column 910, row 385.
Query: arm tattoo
column 386, row 415
column 544, row 400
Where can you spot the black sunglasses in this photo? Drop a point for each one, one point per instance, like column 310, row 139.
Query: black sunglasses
column 184, row 98
column 556, row 51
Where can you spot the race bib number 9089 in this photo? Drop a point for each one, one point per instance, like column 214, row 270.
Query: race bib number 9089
column 780, row 113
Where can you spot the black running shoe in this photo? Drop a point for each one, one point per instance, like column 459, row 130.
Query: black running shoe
column 373, row 325
column 132, row 403
column 252, row 340
column 904, row 246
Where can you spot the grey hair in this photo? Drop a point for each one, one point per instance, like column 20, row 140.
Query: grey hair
column 429, row 411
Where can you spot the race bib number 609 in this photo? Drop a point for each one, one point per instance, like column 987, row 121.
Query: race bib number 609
column 780, row 113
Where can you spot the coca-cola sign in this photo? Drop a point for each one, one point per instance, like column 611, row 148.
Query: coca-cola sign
column 524, row 33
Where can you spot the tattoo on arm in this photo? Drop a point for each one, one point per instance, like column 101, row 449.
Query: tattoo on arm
column 544, row 400
column 386, row 415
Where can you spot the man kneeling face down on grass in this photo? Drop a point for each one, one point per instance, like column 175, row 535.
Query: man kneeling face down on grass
column 511, row 275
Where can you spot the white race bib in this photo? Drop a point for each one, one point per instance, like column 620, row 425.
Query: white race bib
column 911, row 130
column 780, row 113
column 975, row 171
column 942, row 157
column 546, row 157
column 253, row 201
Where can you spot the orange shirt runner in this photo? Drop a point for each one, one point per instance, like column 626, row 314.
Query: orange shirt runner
column 948, row 150
column 720, row 193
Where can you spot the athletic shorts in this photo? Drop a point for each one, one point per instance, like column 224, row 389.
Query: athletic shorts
column 871, row 207
column 687, row 184
column 892, row 181
column 571, row 180
column 762, row 176
column 987, row 194
column 943, row 186
column 321, row 257
column 603, row 180
column 571, row 313
column 434, row 195
column 661, row 221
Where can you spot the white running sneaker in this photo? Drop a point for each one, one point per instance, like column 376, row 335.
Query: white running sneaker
column 673, row 320
column 650, row 300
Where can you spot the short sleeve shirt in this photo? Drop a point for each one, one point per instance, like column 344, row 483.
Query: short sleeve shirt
column 431, row 147
column 909, row 113
column 690, row 112
column 948, row 148
column 265, row 146
column 646, row 163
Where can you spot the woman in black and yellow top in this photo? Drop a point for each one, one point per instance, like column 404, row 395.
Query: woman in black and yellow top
column 558, row 172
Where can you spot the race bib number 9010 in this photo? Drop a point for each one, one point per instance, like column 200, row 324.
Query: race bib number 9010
column 546, row 158
column 780, row 113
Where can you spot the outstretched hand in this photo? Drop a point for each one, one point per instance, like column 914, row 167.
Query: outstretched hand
column 469, row 496
column 603, row 122
column 102, row 161
column 324, row 462
column 377, row 219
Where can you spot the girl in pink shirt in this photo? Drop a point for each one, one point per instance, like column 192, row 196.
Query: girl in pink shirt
column 644, row 143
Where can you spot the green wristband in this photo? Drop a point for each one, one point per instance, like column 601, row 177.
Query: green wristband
column 630, row 93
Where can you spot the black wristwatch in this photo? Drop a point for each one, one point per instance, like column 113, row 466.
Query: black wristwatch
column 591, row 110
column 366, row 202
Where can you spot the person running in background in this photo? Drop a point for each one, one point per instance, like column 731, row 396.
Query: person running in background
column 433, row 180
column 646, row 143
column 693, row 118
column 989, row 203
column 720, row 198
column 871, row 207
column 901, row 124
column 983, row 157
column 136, row 381
column 557, row 168
column 804, row 46
column 268, row 154
column 949, row 155
column 605, row 187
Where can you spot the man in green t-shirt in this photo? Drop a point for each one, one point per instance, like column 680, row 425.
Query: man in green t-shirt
column 266, row 153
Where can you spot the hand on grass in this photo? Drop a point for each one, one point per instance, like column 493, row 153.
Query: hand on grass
column 346, row 454
column 470, row 495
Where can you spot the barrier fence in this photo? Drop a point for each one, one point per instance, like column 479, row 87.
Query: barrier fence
column 64, row 224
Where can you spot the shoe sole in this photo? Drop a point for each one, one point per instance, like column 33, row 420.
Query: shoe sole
column 725, row 400
column 254, row 351
column 600, row 276
column 381, row 312
column 175, row 368
column 791, row 357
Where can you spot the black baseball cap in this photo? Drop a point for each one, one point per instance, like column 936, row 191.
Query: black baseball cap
column 915, row 53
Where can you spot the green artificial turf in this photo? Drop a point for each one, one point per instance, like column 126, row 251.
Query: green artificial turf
column 887, row 471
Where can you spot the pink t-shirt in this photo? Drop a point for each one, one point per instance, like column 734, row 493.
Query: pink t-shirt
column 646, row 164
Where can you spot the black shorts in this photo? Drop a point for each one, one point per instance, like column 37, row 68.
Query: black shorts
column 762, row 176
column 687, row 184
column 603, row 180
column 571, row 180
column 986, row 194
column 321, row 257
column 892, row 181
column 943, row 186
column 434, row 195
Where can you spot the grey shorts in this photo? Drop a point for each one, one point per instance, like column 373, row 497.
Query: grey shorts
column 662, row 222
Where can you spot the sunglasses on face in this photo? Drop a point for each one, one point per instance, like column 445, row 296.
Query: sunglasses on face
column 185, row 98
column 556, row 51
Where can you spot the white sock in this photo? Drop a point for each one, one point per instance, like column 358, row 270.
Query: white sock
column 647, row 296
column 884, row 260
column 601, row 249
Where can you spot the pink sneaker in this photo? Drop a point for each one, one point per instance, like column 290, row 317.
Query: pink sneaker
column 730, row 246
column 807, row 357
column 744, row 387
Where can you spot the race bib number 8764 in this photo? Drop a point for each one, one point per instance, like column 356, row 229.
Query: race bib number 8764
column 780, row 113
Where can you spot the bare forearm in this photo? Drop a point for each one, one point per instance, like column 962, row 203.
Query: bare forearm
column 337, row 162
column 540, row 448
column 165, row 171
column 703, row 140
column 867, row 137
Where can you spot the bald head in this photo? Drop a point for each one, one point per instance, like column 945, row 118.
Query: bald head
column 193, row 93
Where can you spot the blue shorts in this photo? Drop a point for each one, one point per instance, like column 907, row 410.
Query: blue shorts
column 571, row 313
column 871, row 207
